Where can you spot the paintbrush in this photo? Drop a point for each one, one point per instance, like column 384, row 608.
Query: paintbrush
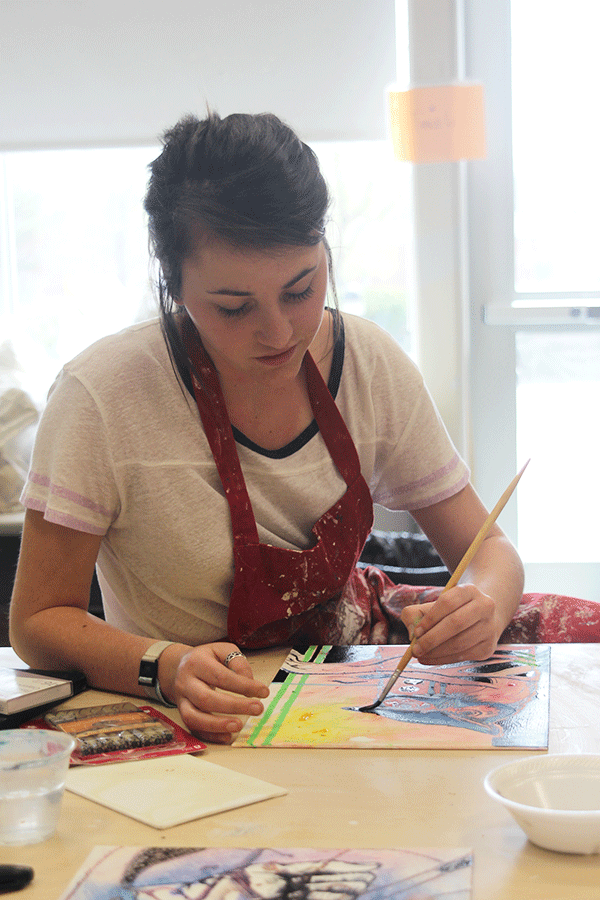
column 453, row 580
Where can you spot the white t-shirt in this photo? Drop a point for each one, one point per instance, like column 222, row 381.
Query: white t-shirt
column 121, row 452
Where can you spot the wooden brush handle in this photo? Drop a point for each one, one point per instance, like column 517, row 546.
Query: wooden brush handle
column 483, row 531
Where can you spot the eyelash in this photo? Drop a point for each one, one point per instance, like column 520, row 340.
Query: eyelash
column 306, row 293
column 232, row 313
column 242, row 310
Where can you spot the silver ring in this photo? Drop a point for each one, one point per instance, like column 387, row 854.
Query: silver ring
column 231, row 656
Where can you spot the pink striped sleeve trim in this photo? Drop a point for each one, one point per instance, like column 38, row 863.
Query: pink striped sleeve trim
column 421, row 483
column 51, row 515
column 66, row 494
column 442, row 495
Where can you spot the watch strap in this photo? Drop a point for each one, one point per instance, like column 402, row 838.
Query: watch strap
column 148, row 673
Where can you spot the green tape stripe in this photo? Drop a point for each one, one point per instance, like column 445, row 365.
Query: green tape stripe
column 276, row 700
column 299, row 681
column 284, row 710
column 322, row 653
column 269, row 710
column 289, row 682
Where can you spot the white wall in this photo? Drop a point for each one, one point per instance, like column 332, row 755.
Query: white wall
column 96, row 72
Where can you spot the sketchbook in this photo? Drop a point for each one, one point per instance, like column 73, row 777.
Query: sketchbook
column 499, row 702
column 27, row 689
column 150, row 873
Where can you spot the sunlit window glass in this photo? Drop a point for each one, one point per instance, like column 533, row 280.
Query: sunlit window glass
column 371, row 232
column 557, row 194
column 74, row 250
column 555, row 145
column 79, row 247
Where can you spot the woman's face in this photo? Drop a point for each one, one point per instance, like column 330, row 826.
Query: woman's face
column 256, row 311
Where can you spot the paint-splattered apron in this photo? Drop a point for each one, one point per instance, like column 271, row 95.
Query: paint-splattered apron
column 282, row 595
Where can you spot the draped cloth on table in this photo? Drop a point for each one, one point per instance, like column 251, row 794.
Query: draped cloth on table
column 368, row 612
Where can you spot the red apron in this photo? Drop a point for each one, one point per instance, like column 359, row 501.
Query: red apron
column 318, row 595
column 280, row 596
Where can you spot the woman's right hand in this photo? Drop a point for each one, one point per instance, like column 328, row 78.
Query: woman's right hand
column 210, row 694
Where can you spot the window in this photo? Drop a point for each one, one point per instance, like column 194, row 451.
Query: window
column 75, row 248
column 558, row 392
column 371, row 232
column 75, row 253
column 557, row 193
column 555, row 159
column 536, row 272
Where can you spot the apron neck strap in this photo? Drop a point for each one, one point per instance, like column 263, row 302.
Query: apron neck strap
column 331, row 423
column 219, row 433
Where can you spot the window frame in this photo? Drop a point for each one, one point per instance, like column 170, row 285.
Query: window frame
column 497, row 311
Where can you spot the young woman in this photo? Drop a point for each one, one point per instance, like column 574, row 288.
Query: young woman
column 219, row 466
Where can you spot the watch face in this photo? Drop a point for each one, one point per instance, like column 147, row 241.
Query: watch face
column 148, row 671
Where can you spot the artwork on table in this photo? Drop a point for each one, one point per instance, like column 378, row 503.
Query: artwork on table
column 499, row 702
column 182, row 873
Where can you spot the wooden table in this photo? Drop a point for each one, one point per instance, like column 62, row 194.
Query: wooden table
column 363, row 799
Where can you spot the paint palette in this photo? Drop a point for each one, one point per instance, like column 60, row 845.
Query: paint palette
column 499, row 702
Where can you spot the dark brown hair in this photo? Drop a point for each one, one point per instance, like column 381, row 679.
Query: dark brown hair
column 246, row 180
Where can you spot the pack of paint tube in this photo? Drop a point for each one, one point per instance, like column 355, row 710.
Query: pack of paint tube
column 119, row 732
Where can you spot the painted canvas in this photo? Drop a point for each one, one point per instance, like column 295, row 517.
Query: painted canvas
column 180, row 873
column 314, row 699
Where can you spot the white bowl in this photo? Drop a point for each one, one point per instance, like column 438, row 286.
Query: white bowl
column 554, row 798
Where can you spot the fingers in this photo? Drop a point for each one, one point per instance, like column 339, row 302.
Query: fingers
column 206, row 665
column 416, row 615
column 211, row 727
column 466, row 646
column 217, row 696
column 237, row 663
column 461, row 624
column 217, row 717
column 235, row 654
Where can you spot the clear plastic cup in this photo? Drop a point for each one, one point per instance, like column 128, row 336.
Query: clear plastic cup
column 33, row 768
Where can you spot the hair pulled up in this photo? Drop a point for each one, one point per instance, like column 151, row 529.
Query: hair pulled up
column 246, row 180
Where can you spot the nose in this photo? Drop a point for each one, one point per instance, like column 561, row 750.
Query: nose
column 275, row 329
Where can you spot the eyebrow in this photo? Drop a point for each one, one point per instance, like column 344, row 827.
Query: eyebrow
column 230, row 292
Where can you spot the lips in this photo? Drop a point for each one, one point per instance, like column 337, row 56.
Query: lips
column 278, row 358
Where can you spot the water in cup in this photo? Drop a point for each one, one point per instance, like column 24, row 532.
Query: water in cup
column 29, row 816
column 33, row 767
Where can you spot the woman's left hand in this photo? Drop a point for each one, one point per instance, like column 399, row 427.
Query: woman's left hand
column 462, row 624
column 214, row 687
